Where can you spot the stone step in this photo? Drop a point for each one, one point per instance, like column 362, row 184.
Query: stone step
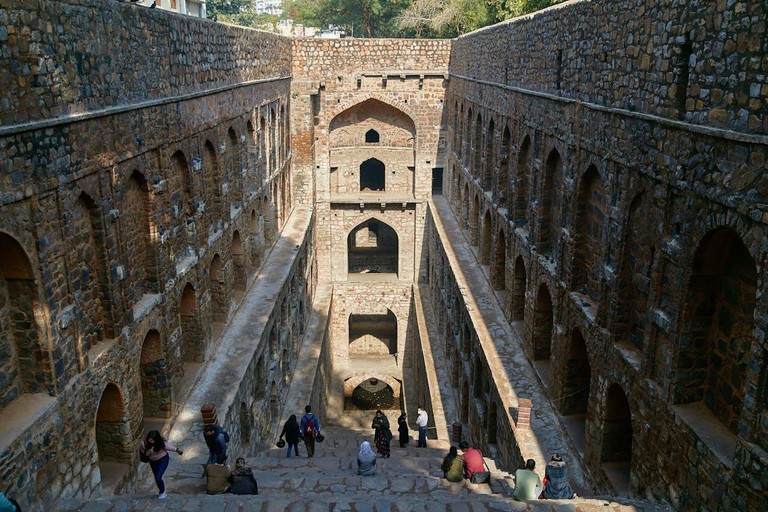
column 426, row 502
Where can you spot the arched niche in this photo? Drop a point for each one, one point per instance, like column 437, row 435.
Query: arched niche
column 372, row 249
column 372, row 334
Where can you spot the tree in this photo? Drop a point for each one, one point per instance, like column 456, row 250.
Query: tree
column 505, row 9
column 237, row 12
column 443, row 18
column 363, row 18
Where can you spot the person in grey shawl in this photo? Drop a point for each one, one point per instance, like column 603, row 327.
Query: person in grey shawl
column 244, row 481
column 366, row 460
column 557, row 486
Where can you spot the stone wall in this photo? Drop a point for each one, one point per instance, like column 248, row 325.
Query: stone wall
column 699, row 61
column 606, row 221
column 112, row 217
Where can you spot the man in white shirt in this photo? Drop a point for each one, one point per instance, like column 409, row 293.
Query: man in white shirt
column 421, row 421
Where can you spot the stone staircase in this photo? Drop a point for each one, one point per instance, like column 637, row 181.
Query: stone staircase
column 410, row 480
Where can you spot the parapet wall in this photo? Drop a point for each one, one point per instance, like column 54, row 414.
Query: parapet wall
column 634, row 55
column 77, row 56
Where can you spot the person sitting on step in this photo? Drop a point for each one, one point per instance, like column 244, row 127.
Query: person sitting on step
column 453, row 466
column 366, row 460
column 219, row 477
column 527, row 483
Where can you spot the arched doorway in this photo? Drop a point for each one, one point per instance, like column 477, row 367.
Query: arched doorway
column 616, row 452
column 485, row 241
column 372, row 175
column 113, row 439
column 238, row 261
column 577, row 379
column 372, row 334
column 518, row 292
column 155, row 381
column 543, row 323
column 372, row 249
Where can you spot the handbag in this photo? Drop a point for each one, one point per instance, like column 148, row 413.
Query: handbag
column 481, row 477
column 280, row 443
column 143, row 457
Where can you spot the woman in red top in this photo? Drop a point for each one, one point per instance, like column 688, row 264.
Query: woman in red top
column 156, row 449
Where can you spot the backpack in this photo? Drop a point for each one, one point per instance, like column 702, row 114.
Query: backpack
column 309, row 427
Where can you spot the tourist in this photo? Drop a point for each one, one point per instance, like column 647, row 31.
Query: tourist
column 244, row 481
column 556, row 486
column 8, row 504
column 219, row 477
column 366, row 460
column 421, row 421
column 310, row 429
column 527, row 483
column 453, row 466
column 216, row 438
column 292, row 433
column 473, row 460
column 382, row 435
column 402, row 428
column 156, row 449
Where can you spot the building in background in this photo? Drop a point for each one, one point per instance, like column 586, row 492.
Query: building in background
column 273, row 7
column 192, row 7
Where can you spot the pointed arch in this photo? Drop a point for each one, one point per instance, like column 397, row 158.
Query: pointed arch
column 28, row 359
column 498, row 262
column 192, row 333
column 577, row 376
column 588, row 234
column 155, row 381
column 521, row 184
column 213, row 181
column 616, row 451
column 552, row 170
column 488, row 169
column 112, row 432
column 238, row 262
column 504, row 200
column 518, row 291
column 219, row 293
column 474, row 220
column 485, row 240
column 372, row 247
column 477, row 149
column 234, row 171
column 543, row 323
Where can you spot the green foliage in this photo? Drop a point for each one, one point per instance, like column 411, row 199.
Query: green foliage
column 408, row 18
column 237, row 12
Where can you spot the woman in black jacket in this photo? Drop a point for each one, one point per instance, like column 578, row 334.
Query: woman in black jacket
column 291, row 431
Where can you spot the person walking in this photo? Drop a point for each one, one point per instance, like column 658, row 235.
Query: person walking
column 402, row 428
column 292, row 433
column 310, row 429
column 366, row 460
column 382, row 435
column 421, row 421
column 453, row 466
column 156, row 449
column 244, row 481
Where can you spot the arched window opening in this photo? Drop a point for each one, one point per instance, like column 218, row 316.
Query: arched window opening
column 485, row 241
column 474, row 220
column 183, row 205
column 87, row 234
column 489, row 167
column 577, row 376
column 504, row 201
column 616, row 453
column 552, row 170
column 372, row 248
column 477, row 150
column 213, row 182
column 371, row 136
column 498, row 262
column 372, row 175
column 590, row 217
column 139, row 231
column 26, row 358
column 373, row 334
column 520, row 214
column 192, row 332
column 234, row 172
column 518, row 292
column 543, row 323
column 113, row 438
column 238, row 261
column 219, row 299
column 714, row 348
column 155, row 381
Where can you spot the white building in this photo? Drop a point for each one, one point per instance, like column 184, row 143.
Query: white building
column 191, row 7
column 273, row 7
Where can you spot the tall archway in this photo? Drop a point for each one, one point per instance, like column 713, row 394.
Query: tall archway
column 521, row 180
column 474, row 220
column 372, row 334
column 155, row 380
column 219, row 295
column 714, row 350
column 113, row 439
column 485, row 240
column 477, row 149
column 253, row 239
column 498, row 262
column 552, row 170
column 191, row 326
column 616, row 452
column 590, row 217
column 184, row 238
column 489, row 167
column 213, row 181
column 542, row 325
column 139, row 229
column 577, row 376
column 91, row 278
column 27, row 361
column 518, row 291
column 372, row 247
column 372, row 175
column 234, row 174
column 238, row 262
column 504, row 201
column 635, row 274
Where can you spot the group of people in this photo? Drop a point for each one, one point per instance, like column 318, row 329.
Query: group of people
column 382, row 436
column 219, row 477
column 456, row 467
column 307, row 430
